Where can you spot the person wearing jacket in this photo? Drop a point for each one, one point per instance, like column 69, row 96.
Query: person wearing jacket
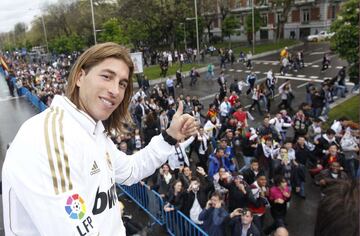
column 73, row 160
column 279, row 195
column 214, row 215
column 350, row 147
column 241, row 223
column 197, row 194
column 240, row 194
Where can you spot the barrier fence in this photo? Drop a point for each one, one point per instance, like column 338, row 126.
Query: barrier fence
column 176, row 223
column 22, row 91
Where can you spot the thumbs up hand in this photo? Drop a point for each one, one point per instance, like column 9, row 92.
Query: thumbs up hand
column 182, row 125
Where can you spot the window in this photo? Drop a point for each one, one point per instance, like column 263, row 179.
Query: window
column 264, row 19
column 333, row 12
column 278, row 17
column 249, row 3
column 238, row 4
column 305, row 16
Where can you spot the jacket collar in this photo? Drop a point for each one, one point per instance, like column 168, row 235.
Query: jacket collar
column 88, row 123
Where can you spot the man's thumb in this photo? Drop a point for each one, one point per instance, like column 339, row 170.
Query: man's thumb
column 180, row 109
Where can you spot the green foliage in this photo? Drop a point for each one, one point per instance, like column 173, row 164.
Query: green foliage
column 112, row 32
column 347, row 109
column 346, row 39
column 229, row 25
column 67, row 44
column 257, row 22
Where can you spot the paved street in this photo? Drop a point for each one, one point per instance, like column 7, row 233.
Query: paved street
column 301, row 215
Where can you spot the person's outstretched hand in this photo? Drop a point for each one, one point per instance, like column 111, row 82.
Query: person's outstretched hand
column 182, row 125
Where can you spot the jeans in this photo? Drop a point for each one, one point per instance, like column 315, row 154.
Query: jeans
column 341, row 89
column 247, row 161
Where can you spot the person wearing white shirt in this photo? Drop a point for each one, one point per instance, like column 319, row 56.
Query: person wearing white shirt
column 279, row 125
column 60, row 172
column 224, row 109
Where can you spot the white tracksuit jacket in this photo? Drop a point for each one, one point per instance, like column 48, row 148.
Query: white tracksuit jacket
column 59, row 175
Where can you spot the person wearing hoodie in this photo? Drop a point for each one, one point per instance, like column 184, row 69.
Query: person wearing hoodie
column 350, row 147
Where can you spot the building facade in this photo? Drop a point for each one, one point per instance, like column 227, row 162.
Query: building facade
column 305, row 17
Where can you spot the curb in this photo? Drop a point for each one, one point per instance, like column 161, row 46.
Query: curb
column 204, row 69
column 342, row 100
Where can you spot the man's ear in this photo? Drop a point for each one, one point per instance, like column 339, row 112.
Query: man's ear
column 80, row 77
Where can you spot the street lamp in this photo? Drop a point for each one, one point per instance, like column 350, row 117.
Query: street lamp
column 45, row 35
column 197, row 31
column 253, row 27
column 93, row 20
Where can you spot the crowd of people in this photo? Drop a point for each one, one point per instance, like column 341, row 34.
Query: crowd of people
column 230, row 175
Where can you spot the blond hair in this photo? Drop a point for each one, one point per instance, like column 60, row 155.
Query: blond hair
column 92, row 57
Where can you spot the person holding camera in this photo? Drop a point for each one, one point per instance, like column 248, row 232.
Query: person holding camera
column 196, row 195
column 214, row 216
column 241, row 223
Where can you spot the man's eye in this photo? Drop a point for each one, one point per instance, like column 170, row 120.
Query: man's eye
column 106, row 77
column 123, row 85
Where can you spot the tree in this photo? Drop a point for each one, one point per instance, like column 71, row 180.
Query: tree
column 248, row 25
column 209, row 15
column 112, row 32
column 228, row 27
column 346, row 39
column 284, row 6
column 67, row 44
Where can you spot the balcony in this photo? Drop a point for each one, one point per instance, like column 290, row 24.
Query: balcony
column 303, row 2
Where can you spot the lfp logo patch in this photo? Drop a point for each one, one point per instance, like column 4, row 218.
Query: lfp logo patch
column 75, row 207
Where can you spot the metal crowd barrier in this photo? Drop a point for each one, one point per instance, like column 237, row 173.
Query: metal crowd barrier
column 176, row 223
column 22, row 91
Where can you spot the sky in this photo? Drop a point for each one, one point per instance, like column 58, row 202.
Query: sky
column 14, row 11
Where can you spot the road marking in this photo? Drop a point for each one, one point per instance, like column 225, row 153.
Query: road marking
column 289, row 74
column 316, row 53
column 247, row 71
column 314, row 77
column 302, row 85
column 339, row 67
column 265, row 63
column 8, row 98
column 264, row 73
column 315, row 66
column 257, row 72
column 231, row 70
column 306, row 79
column 327, row 78
column 275, row 63
column 238, row 70
column 301, row 76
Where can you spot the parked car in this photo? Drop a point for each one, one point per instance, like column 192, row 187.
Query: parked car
column 322, row 35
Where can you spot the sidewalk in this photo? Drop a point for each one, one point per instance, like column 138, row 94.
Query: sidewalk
column 204, row 69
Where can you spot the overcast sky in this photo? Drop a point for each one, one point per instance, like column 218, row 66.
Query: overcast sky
column 14, row 11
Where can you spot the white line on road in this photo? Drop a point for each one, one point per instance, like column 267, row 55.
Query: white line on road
column 301, row 76
column 327, row 78
column 257, row 72
column 265, row 63
column 247, row 71
column 302, row 85
column 339, row 67
column 314, row 77
column 8, row 98
column 231, row 70
column 238, row 70
column 315, row 66
column 306, row 79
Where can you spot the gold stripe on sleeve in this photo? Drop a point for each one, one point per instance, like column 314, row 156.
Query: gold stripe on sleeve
column 66, row 158
column 48, row 149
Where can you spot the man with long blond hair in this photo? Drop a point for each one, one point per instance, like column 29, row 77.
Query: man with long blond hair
column 60, row 171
